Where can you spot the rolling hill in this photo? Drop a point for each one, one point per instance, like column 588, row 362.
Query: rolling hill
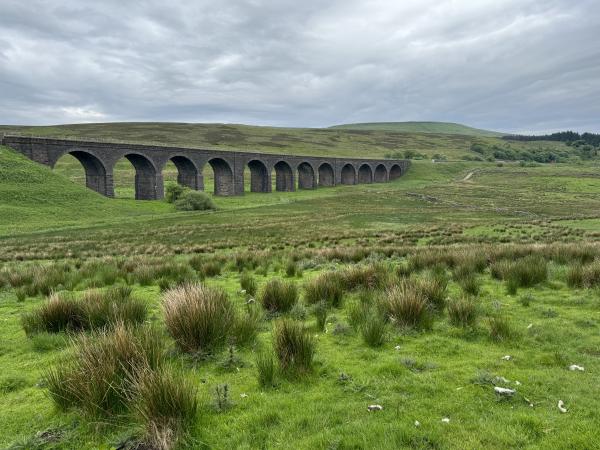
column 419, row 127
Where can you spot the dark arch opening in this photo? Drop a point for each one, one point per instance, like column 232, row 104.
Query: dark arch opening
column 326, row 176
column 306, row 176
column 395, row 172
column 365, row 174
column 94, row 171
column 259, row 177
column 380, row 174
column 187, row 173
column 223, row 177
column 148, row 184
column 284, row 177
column 348, row 174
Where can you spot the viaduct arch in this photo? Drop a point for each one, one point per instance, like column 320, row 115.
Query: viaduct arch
column 302, row 172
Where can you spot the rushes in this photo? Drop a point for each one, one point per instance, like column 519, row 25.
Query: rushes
column 407, row 306
column 279, row 296
column 326, row 287
column 462, row 312
column 198, row 317
column 96, row 309
column 294, row 346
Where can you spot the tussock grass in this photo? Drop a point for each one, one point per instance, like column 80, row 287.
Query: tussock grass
column 100, row 378
column 266, row 369
column 198, row 317
column 462, row 312
column 278, row 296
column 166, row 402
column 294, row 346
column 96, row 309
column 500, row 329
column 374, row 329
column 406, row 306
column 326, row 287
column 367, row 276
column 248, row 283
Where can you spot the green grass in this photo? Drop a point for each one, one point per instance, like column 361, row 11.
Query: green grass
column 422, row 374
column 419, row 127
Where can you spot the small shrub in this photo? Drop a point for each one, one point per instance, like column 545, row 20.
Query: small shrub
column 198, row 317
column 279, row 296
column 500, row 329
column 173, row 192
column 462, row 312
column 327, row 287
column 166, row 403
column 294, row 346
column 406, row 306
column 248, row 283
column 222, row 398
column 374, row 329
column 194, row 201
column 265, row 366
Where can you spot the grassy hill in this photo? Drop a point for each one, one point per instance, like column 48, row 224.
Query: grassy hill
column 419, row 127
column 33, row 197
column 360, row 143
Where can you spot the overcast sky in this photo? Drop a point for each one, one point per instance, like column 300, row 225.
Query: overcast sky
column 508, row 65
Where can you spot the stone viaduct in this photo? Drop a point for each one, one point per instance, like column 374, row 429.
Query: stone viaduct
column 291, row 171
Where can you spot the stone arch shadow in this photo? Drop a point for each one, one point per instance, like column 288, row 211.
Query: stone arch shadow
column 223, row 177
column 348, row 175
column 326, row 175
column 284, row 177
column 380, row 175
column 365, row 174
column 96, row 174
column 260, row 181
column 306, row 176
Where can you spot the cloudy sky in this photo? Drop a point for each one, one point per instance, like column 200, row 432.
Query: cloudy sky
column 509, row 65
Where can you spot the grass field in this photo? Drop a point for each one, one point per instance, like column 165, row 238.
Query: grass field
column 515, row 247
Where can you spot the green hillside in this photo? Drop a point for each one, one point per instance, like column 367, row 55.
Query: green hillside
column 419, row 127
column 33, row 197
column 303, row 141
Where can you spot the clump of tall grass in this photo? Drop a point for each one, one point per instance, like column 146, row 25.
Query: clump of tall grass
column 100, row 378
column 584, row 276
column 374, row 328
column 462, row 312
column 96, row 309
column 500, row 329
column 320, row 310
column 326, row 287
column 523, row 272
column 166, row 402
column 366, row 276
column 266, row 370
column 291, row 268
column 56, row 314
column 294, row 346
column 245, row 326
column 434, row 288
column 248, row 283
column 198, row 317
column 407, row 306
column 278, row 296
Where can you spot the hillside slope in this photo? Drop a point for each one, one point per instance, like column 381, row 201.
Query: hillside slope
column 33, row 197
column 300, row 141
column 419, row 127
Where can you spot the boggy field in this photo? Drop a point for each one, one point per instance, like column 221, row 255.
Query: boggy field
column 456, row 307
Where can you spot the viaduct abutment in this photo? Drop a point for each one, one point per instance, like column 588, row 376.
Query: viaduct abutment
column 291, row 172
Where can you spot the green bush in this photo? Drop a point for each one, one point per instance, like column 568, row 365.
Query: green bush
column 279, row 296
column 194, row 201
column 294, row 346
column 173, row 191
column 198, row 317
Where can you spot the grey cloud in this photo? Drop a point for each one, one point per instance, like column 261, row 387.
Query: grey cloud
column 515, row 65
